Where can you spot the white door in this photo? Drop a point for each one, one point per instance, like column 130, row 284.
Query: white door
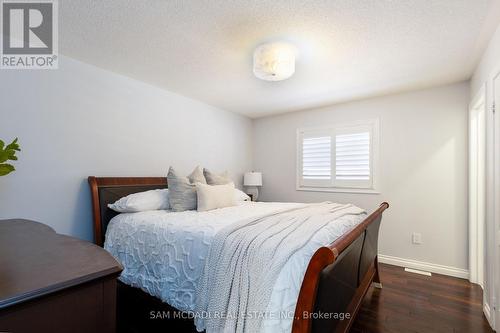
column 477, row 187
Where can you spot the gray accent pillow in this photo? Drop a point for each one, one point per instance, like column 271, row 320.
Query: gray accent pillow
column 214, row 179
column 197, row 176
column 182, row 190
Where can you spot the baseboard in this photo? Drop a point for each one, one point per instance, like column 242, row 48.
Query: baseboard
column 424, row 266
column 487, row 314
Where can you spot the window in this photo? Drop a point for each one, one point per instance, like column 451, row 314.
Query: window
column 339, row 158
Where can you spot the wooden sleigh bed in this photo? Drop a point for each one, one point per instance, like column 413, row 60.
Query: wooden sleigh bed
column 336, row 280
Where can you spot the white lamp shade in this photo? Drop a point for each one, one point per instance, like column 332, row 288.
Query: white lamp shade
column 274, row 61
column 252, row 179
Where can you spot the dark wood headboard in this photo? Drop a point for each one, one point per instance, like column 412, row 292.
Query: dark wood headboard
column 106, row 190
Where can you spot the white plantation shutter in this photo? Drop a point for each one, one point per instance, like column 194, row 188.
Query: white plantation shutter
column 317, row 158
column 352, row 156
column 337, row 157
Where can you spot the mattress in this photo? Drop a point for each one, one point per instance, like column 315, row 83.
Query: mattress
column 163, row 253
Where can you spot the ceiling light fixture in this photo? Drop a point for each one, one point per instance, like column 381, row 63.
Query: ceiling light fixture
column 274, row 61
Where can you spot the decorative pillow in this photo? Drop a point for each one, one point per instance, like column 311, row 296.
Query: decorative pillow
column 214, row 179
column 142, row 201
column 240, row 196
column 197, row 176
column 215, row 196
column 182, row 191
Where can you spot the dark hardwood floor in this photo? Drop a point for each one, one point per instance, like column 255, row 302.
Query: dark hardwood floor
column 408, row 302
column 412, row 302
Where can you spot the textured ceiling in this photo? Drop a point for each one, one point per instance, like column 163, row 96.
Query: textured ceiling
column 348, row 49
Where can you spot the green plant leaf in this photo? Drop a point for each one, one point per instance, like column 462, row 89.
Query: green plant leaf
column 13, row 145
column 8, row 153
column 4, row 155
column 11, row 153
column 5, row 169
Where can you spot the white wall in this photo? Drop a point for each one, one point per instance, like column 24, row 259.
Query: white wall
column 488, row 65
column 423, row 168
column 80, row 120
column 488, row 68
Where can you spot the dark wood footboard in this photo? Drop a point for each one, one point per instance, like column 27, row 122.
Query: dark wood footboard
column 337, row 279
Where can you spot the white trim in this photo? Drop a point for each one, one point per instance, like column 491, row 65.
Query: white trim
column 424, row 266
column 336, row 189
column 477, row 185
column 487, row 313
column 495, row 284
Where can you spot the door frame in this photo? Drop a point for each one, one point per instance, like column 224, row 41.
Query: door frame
column 496, row 228
column 477, row 187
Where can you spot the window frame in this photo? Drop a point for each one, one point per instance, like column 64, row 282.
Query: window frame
column 372, row 126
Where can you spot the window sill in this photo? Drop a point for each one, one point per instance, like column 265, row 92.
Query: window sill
column 338, row 190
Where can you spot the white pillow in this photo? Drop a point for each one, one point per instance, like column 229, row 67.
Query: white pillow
column 215, row 196
column 240, row 196
column 142, row 201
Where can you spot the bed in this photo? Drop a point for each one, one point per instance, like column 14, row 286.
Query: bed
column 333, row 281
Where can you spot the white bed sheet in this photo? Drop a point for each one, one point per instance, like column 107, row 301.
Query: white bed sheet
column 163, row 253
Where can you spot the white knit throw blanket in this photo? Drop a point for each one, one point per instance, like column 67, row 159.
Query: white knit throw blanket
column 245, row 259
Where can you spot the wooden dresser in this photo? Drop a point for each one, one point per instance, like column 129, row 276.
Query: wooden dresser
column 54, row 283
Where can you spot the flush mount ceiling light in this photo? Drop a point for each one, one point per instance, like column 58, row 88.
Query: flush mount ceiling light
column 274, row 61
